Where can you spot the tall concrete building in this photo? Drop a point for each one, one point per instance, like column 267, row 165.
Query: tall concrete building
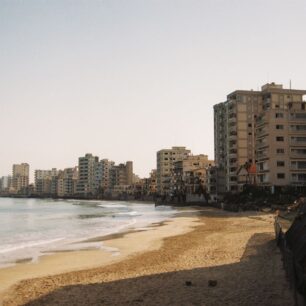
column 281, row 138
column 103, row 174
column 5, row 183
column 261, row 130
column 46, row 181
column 67, row 182
column 122, row 174
column 191, row 173
column 20, row 178
column 165, row 165
column 87, row 174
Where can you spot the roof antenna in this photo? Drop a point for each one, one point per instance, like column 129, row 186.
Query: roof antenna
column 290, row 84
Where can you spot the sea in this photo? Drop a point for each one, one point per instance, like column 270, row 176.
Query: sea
column 30, row 228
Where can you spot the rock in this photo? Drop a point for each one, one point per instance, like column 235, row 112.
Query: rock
column 212, row 283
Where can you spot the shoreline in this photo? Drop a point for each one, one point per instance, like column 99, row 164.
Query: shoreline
column 237, row 250
column 114, row 248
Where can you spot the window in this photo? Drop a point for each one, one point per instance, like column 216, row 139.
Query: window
column 279, row 138
column 279, row 115
column 280, row 151
column 279, row 127
column 280, row 163
column 280, row 175
column 250, row 125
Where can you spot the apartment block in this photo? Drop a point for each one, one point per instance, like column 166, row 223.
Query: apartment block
column 165, row 165
column 67, row 181
column 87, row 174
column 103, row 174
column 20, row 178
column 5, row 183
column 261, row 130
column 122, row 175
column 189, row 174
column 46, row 181
column 281, row 138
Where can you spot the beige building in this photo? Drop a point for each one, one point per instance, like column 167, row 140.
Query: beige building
column 103, row 174
column 67, row 182
column 281, row 138
column 46, row 181
column 87, row 175
column 20, row 178
column 121, row 175
column 165, row 165
column 189, row 174
column 263, row 130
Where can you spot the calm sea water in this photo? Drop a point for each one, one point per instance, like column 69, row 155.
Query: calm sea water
column 32, row 227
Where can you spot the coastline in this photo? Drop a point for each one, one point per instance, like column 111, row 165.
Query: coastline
column 235, row 249
column 115, row 248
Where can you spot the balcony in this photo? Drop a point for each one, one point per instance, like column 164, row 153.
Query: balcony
column 261, row 133
column 232, row 136
column 261, row 144
column 297, row 155
column 299, row 117
column 262, row 155
column 232, row 118
column 298, row 130
column 298, row 143
column 261, row 121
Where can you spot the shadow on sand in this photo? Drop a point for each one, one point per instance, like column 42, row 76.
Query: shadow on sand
column 258, row 279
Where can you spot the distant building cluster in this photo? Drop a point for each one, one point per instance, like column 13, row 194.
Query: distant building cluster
column 260, row 139
column 92, row 178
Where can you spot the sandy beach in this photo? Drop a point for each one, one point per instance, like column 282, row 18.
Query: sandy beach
column 168, row 264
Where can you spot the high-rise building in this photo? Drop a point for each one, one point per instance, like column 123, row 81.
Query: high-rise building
column 20, row 178
column 281, row 137
column 122, row 174
column 5, row 183
column 165, row 165
column 263, row 131
column 87, row 174
column 103, row 174
column 46, row 181
column 67, row 181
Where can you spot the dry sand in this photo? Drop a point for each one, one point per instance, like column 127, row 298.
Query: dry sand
column 236, row 250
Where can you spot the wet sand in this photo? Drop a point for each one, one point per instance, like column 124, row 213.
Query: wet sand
column 171, row 264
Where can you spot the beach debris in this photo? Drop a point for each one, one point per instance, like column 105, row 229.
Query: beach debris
column 212, row 283
column 188, row 283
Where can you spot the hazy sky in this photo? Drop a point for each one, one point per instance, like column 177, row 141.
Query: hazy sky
column 123, row 79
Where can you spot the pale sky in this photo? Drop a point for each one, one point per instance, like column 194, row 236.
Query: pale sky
column 124, row 79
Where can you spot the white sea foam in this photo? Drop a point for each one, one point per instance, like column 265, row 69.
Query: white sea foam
column 131, row 213
column 30, row 244
column 31, row 228
column 114, row 205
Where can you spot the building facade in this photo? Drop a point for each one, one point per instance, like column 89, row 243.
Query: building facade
column 121, row 175
column 5, row 183
column 103, row 174
column 46, row 182
column 165, row 166
column 20, row 178
column 87, row 175
column 67, row 182
column 261, row 130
